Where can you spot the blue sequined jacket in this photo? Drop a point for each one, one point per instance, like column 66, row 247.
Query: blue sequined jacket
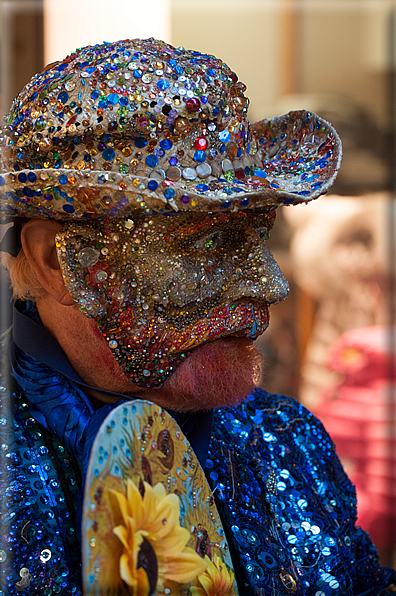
column 288, row 508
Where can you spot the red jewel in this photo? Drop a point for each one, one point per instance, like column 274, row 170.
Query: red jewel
column 201, row 143
column 193, row 104
column 240, row 174
column 72, row 120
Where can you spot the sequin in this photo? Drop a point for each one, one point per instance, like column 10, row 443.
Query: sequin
column 173, row 174
column 200, row 156
column 162, row 83
column 297, row 540
column 201, row 143
column 189, row 173
column 166, row 144
column 224, row 136
column 45, row 555
column 113, row 99
column 193, row 105
column 108, row 154
column 203, row 170
column 88, row 256
column 63, row 97
column 152, row 185
column 152, row 161
column 28, row 532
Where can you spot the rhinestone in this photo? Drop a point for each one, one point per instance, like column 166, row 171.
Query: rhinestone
column 189, row 174
column 88, row 256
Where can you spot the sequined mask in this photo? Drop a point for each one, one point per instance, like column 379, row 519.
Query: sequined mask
column 160, row 286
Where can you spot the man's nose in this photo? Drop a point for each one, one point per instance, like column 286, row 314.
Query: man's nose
column 256, row 273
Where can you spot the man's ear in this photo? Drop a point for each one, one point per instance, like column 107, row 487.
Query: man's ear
column 38, row 243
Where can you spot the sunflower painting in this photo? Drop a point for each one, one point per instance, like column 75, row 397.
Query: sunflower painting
column 217, row 580
column 151, row 527
column 151, row 531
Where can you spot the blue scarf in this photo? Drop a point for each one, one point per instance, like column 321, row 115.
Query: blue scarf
column 58, row 404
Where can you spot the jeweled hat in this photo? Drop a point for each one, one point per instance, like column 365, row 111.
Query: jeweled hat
column 141, row 125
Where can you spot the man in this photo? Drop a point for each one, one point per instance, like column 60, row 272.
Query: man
column 143, row 199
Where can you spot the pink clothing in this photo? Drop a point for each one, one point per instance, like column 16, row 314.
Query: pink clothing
column 359, row 412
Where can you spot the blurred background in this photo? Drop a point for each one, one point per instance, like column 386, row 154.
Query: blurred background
column 332, row 343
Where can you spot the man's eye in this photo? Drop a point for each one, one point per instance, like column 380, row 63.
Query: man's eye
column 207, row 242
column 212, row 240
column 200, row 241
column 262, row 233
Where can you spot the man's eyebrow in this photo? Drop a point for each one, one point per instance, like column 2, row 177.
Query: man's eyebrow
column 191, row 231
column 197, row 228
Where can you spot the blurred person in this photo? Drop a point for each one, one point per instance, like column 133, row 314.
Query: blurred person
column 339, row 255
column 346, row 377
column 358, row 410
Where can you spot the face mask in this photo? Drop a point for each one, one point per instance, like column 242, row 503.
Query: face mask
column 161, row 286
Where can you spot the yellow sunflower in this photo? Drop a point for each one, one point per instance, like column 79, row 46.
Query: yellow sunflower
column 217, row 580
column 152, row 539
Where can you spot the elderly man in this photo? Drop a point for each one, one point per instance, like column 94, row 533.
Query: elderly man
column 142, row 200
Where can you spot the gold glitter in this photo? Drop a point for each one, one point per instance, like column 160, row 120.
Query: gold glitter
column 166, row 270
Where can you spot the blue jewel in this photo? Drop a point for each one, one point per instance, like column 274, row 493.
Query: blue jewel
column 200, row 156
column 140, row 142
column 63, row 97
column 169, row 193
column 166, row 144
column 28, row 192
column 224, row 136
column 163, row 84
column 152, row 161
column 108, row 154
column 112, row 99
column 152, row 185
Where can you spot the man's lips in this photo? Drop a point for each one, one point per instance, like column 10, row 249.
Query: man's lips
column 230, row 318
column 237, row 318
column 154, row 348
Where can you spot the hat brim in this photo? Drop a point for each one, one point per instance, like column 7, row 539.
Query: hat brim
column 291, row 159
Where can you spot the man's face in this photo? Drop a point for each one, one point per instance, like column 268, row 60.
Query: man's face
column 160, row 286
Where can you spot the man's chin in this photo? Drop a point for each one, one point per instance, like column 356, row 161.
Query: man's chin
column 217, row 374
